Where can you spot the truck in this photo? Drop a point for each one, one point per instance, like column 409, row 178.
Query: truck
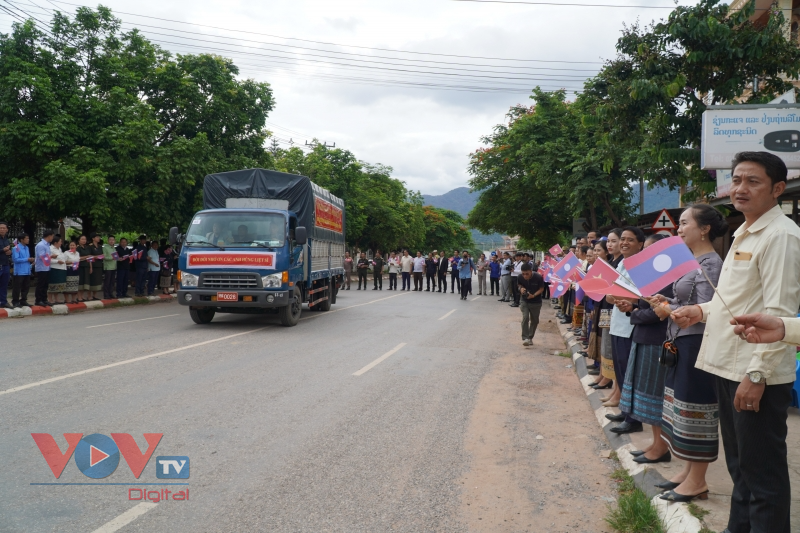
column 264, row 242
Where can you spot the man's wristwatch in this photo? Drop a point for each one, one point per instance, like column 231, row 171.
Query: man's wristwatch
column 757, row 378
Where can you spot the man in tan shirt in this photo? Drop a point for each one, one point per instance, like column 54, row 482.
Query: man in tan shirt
column 754, row 381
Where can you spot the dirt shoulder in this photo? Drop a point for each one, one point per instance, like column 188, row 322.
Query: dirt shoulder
column 534, row 441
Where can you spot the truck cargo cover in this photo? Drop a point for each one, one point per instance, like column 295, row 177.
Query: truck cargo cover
column 317, row 209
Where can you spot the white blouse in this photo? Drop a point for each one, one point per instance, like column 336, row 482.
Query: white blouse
column 72, row 257
column 57, row 255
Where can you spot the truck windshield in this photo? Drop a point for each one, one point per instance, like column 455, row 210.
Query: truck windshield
column 237, row 229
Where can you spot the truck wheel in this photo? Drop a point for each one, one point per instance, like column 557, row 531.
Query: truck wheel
column 334, row 291
column 201, row 316
column 290, row 315
column 326, row 305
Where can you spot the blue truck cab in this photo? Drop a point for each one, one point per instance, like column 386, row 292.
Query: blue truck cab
column 265, row 242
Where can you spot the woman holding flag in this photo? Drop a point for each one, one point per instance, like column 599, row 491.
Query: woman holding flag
column 84, row 272
column 95, row 268
column 57, row 281
column 606, row 359
column 73, row 260
column 690, row 424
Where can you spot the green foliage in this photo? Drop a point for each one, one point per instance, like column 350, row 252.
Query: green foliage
column 102, row 125
column 639, row 117
column 445, row 230
column 635, row 512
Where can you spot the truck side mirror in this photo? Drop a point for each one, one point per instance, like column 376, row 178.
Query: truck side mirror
column 174, row 237
column 300, row 235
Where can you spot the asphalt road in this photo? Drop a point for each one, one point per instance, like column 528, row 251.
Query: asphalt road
column 281, row 435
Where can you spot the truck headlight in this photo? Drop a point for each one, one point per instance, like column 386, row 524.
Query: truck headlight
column 273, row 281
column 188, row 280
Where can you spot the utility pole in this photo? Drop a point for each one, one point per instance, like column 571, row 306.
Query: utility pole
column 641, row 196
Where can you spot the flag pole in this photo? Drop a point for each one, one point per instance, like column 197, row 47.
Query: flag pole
column 741, row 335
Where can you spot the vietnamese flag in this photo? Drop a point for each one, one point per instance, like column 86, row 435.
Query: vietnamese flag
column 556, row 250
column 602, row 270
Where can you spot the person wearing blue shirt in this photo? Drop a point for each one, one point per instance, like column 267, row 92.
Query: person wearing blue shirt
column 465, row 269
column 21, row 257
column 42, row 266
column 494, row 275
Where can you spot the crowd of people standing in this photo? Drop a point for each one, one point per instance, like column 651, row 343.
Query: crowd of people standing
column 86, row 268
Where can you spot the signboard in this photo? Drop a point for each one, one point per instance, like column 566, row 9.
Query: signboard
column 577, row 227
column 328, row 215
column 664, row 221
column 728, row 130
column 231, row 259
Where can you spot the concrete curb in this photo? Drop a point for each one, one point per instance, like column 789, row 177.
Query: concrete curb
column 675, row 515
column 65, row 309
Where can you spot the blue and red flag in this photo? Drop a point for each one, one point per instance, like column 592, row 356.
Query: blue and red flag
column 660, row 264
column 46, row 259
column 579, row 294
column 558, row 287
column 566, row 267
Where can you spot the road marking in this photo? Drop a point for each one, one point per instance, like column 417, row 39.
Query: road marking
column 474, row 298
column 125, row 518
column 129, row 321
column 380, row 359
column 319, row 314
column 448, row 314
column 126, row 362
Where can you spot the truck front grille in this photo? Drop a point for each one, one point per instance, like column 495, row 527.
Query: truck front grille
column 229, row 281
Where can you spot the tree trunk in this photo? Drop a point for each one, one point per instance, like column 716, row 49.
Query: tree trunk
column 593, row 216
column 610, row 210
column 87, row 226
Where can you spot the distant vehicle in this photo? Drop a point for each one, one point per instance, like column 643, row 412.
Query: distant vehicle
column 265, row 241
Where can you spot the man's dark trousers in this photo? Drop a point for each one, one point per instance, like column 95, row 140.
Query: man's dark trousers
column 406, row 280
column 455, row 281
column 443, row 282
column 123, row 274
column 393, row 281
column 152, row 282
column 362, row 275
column 530, row 318
column 755, row 453
column 515, row 288
column 42, row 282
column 377, row 278
column 494, row 286
column 417, row 281
column 141, row 279
column 430, row 282
column 109, row 283
column 21, row 286
column 5, row 275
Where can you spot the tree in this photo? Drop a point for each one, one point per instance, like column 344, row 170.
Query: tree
column 104, row 126
column 445, row 230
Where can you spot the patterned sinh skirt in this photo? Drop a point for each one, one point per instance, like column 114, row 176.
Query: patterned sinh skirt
column 690, row 423
column 606, row 362
column 72, row 282
column 643, row 390
column 577, row 316
column 57, row 280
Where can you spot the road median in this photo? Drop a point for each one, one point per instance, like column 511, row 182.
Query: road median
column 66, row 309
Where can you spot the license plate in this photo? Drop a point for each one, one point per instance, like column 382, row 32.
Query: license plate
column 227, row 296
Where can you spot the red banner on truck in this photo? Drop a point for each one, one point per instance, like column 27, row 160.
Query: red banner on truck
column 231, row 260
column 328, row 215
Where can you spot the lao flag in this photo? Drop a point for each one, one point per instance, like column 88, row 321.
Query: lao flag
column 660, row 264
column 75, row 266
column 115, row 256
column 46, row 259
column 579, row 294
column 100, row 257
column 565, row 269
column 558, row 288
column 556, row 250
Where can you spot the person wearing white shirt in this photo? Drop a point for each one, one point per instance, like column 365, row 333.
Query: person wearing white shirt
column 515, row 274
column 754, row 381
column 505, row 277
column 394, row 269
column 57, row 281
column 419, row 270
column 71, row 257
column 406, row 266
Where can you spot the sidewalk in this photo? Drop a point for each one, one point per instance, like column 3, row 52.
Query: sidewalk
column 676, row 515
column 65, row 309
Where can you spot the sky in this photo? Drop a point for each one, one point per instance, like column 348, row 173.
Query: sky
column 404, row 106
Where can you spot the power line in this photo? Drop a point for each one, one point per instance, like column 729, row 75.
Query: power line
column 562, row 4
column 239, row 31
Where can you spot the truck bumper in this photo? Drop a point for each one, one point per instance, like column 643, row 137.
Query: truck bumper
column 259, row 299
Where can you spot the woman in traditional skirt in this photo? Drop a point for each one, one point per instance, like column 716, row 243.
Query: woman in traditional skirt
column 96, row 268
column 630, row 243
column 595, row 332
column 690, row 423
column 606, row 353
column 57, row 279
column 643, row 389
column 84, row 271
column 71, row 257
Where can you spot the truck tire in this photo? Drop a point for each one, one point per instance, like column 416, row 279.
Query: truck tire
column 202, row 315
column 290, row 315
column 334, row 291
column 326, row 305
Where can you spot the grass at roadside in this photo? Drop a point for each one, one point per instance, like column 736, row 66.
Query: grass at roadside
column 634, row 512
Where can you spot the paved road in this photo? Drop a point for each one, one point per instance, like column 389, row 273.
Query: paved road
column 281, row 435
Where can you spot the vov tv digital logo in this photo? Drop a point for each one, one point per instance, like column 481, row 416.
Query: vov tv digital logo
column 97, row 455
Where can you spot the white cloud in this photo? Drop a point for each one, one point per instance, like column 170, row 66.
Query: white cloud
column 426, row 135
